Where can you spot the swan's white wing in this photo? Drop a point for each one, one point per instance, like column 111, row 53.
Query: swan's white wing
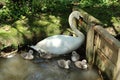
column 59, row 44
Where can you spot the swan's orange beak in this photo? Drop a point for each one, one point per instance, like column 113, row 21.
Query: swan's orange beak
column 80, row 20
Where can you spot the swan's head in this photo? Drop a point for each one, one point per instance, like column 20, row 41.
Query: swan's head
column 74, row 53
column 30, row 51
column 76, row 15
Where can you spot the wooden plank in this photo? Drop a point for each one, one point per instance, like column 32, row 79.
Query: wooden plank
column 106, row 48
column 90, row 46
column 107, row 43
column 109, row 38
column 104, row 64
column 117, row 68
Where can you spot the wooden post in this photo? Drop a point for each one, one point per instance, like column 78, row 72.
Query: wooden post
column 90, row 45
column 117, row 69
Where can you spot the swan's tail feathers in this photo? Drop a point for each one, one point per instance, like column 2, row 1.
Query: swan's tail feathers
column 33, row 48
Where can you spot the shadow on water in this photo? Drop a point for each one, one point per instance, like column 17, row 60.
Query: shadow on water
column 17, row 68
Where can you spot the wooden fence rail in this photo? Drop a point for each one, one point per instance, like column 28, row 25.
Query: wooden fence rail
column 102, row 49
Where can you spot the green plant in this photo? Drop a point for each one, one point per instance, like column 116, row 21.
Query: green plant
column 13, row 9
column 50, row 5
column 86, row 3
column 4, row 13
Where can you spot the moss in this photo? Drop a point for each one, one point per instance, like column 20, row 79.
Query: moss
column 30, row 30
column 48, row 24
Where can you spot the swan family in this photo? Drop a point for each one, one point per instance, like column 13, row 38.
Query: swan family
column 62, row 44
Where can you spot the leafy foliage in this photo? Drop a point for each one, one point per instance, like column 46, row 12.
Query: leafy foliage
column 86, row 3
column 14, row 9
column 50, row 5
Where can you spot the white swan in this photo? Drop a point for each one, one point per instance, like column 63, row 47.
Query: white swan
column 62, row 44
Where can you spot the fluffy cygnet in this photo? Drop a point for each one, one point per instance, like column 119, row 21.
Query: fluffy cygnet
column 75, row 56
column 28, row 55
column 81, row 64
column 64, row 63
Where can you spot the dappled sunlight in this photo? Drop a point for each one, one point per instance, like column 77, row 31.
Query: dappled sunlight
column 51, row 23
column 32, row 29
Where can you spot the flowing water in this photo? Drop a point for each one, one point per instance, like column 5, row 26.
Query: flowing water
column 17, row 68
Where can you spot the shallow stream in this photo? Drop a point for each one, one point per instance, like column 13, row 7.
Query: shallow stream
column 17, row 68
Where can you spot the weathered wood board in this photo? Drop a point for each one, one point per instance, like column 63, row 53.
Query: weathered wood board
column 103, row 50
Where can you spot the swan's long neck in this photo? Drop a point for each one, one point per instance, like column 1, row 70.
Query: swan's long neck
column 72, row 23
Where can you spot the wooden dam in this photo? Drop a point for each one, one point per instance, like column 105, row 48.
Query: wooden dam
column 102, row 49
